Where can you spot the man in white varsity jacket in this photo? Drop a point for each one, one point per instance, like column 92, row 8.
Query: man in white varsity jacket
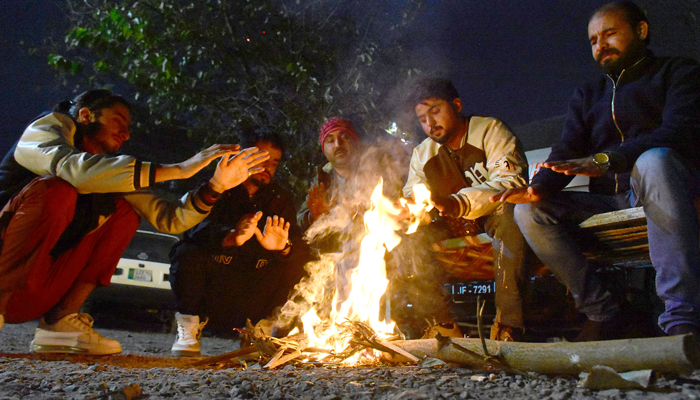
column 464, row 160
column 73, row 207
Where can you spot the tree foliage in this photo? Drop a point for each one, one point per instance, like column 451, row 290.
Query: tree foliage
column 209, row 69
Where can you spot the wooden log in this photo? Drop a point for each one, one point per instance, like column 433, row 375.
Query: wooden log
column 245, row 351
column 674, row 354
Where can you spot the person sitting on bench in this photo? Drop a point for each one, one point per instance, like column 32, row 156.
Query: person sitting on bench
column 634, row 132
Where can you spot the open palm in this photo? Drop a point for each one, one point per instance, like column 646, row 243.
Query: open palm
column 275, row 234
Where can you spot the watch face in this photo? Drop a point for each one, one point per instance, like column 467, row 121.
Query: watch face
column 601, row 158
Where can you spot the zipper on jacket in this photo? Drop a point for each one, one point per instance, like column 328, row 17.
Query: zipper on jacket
column 612, row 110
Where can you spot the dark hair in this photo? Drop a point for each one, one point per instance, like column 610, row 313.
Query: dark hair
column 94, row 100
column 426, row 88
column 262, row 134
column 633, row 13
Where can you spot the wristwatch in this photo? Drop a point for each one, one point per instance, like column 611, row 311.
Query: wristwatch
column 602, row 160
column 287, row 246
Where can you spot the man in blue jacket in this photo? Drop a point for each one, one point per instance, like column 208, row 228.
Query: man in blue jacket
column 634, row 132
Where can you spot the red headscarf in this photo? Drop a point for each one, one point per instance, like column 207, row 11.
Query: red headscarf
column 336, row 124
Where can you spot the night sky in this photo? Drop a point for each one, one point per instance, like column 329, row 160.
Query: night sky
column 516, row 60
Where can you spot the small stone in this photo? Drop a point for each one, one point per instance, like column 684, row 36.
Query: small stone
column 609, row 392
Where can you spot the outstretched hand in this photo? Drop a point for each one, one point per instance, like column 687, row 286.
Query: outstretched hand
column 579, row 166
column 448, row 205
column 245, row 229
column 188, row 168
column 231, row 171
column 275, row 234
column 317, row 202
column 520, row 195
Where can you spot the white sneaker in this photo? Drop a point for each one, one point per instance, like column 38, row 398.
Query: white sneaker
column 72, row 334
column 189, row 333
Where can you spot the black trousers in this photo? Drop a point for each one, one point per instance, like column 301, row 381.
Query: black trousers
column 228, row 289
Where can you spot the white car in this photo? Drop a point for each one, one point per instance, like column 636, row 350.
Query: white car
column 145, row 262
column 141, row 277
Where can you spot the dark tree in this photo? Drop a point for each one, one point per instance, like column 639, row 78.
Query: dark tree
column 204, row 71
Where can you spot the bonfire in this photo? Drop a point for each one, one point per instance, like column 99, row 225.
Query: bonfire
column 338, row 320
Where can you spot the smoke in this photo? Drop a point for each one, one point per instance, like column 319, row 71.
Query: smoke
column 409, row 264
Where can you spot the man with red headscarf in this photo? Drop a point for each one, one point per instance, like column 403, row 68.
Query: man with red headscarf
column 339, row 143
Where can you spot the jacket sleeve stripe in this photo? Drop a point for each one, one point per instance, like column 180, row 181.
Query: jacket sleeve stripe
column 137, row 174
column 152, row 174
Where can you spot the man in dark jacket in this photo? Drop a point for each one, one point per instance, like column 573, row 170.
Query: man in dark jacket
column 634, row 133
column 243, row 260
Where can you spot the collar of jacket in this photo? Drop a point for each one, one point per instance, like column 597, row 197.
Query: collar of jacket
column 326, row 174
column 636, row 70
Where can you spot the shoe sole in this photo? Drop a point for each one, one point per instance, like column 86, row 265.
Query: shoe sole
column 186, row 353
column 43, row 348
column 46, row 348
column 46, row 341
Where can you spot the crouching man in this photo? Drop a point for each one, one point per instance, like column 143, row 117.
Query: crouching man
column 74, row 206
column 243, row 260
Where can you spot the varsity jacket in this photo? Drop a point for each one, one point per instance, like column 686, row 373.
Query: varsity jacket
column 46, row 148
column 490, row 159
column 654, row 103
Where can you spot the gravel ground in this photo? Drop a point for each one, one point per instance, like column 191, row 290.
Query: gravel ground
column 146, row 362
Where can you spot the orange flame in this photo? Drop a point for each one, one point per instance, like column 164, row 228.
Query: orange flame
column 367, row 281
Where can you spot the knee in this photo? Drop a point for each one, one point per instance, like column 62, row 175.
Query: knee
column 185, row 261
column 659, row 167
column 59, row 197
column 655, row 160
column 531, row 216
column 658, row 162
column 523, row 213
column 60, row 190
column 129, row 219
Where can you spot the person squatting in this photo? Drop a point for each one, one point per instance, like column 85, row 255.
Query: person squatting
column 72, row 204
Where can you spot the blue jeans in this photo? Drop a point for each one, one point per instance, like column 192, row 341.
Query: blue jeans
column 666, row 188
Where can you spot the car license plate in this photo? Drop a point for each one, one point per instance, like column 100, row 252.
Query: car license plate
column 463, row 291
column 141, row 275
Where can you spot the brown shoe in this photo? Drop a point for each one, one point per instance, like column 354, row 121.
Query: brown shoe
column 505, row 333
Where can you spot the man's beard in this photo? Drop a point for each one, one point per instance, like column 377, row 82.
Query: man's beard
column 446, row 138
column 635, row 51
column 85, row 130
column 255, row 181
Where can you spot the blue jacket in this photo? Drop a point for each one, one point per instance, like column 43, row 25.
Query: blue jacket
column 654, row 103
